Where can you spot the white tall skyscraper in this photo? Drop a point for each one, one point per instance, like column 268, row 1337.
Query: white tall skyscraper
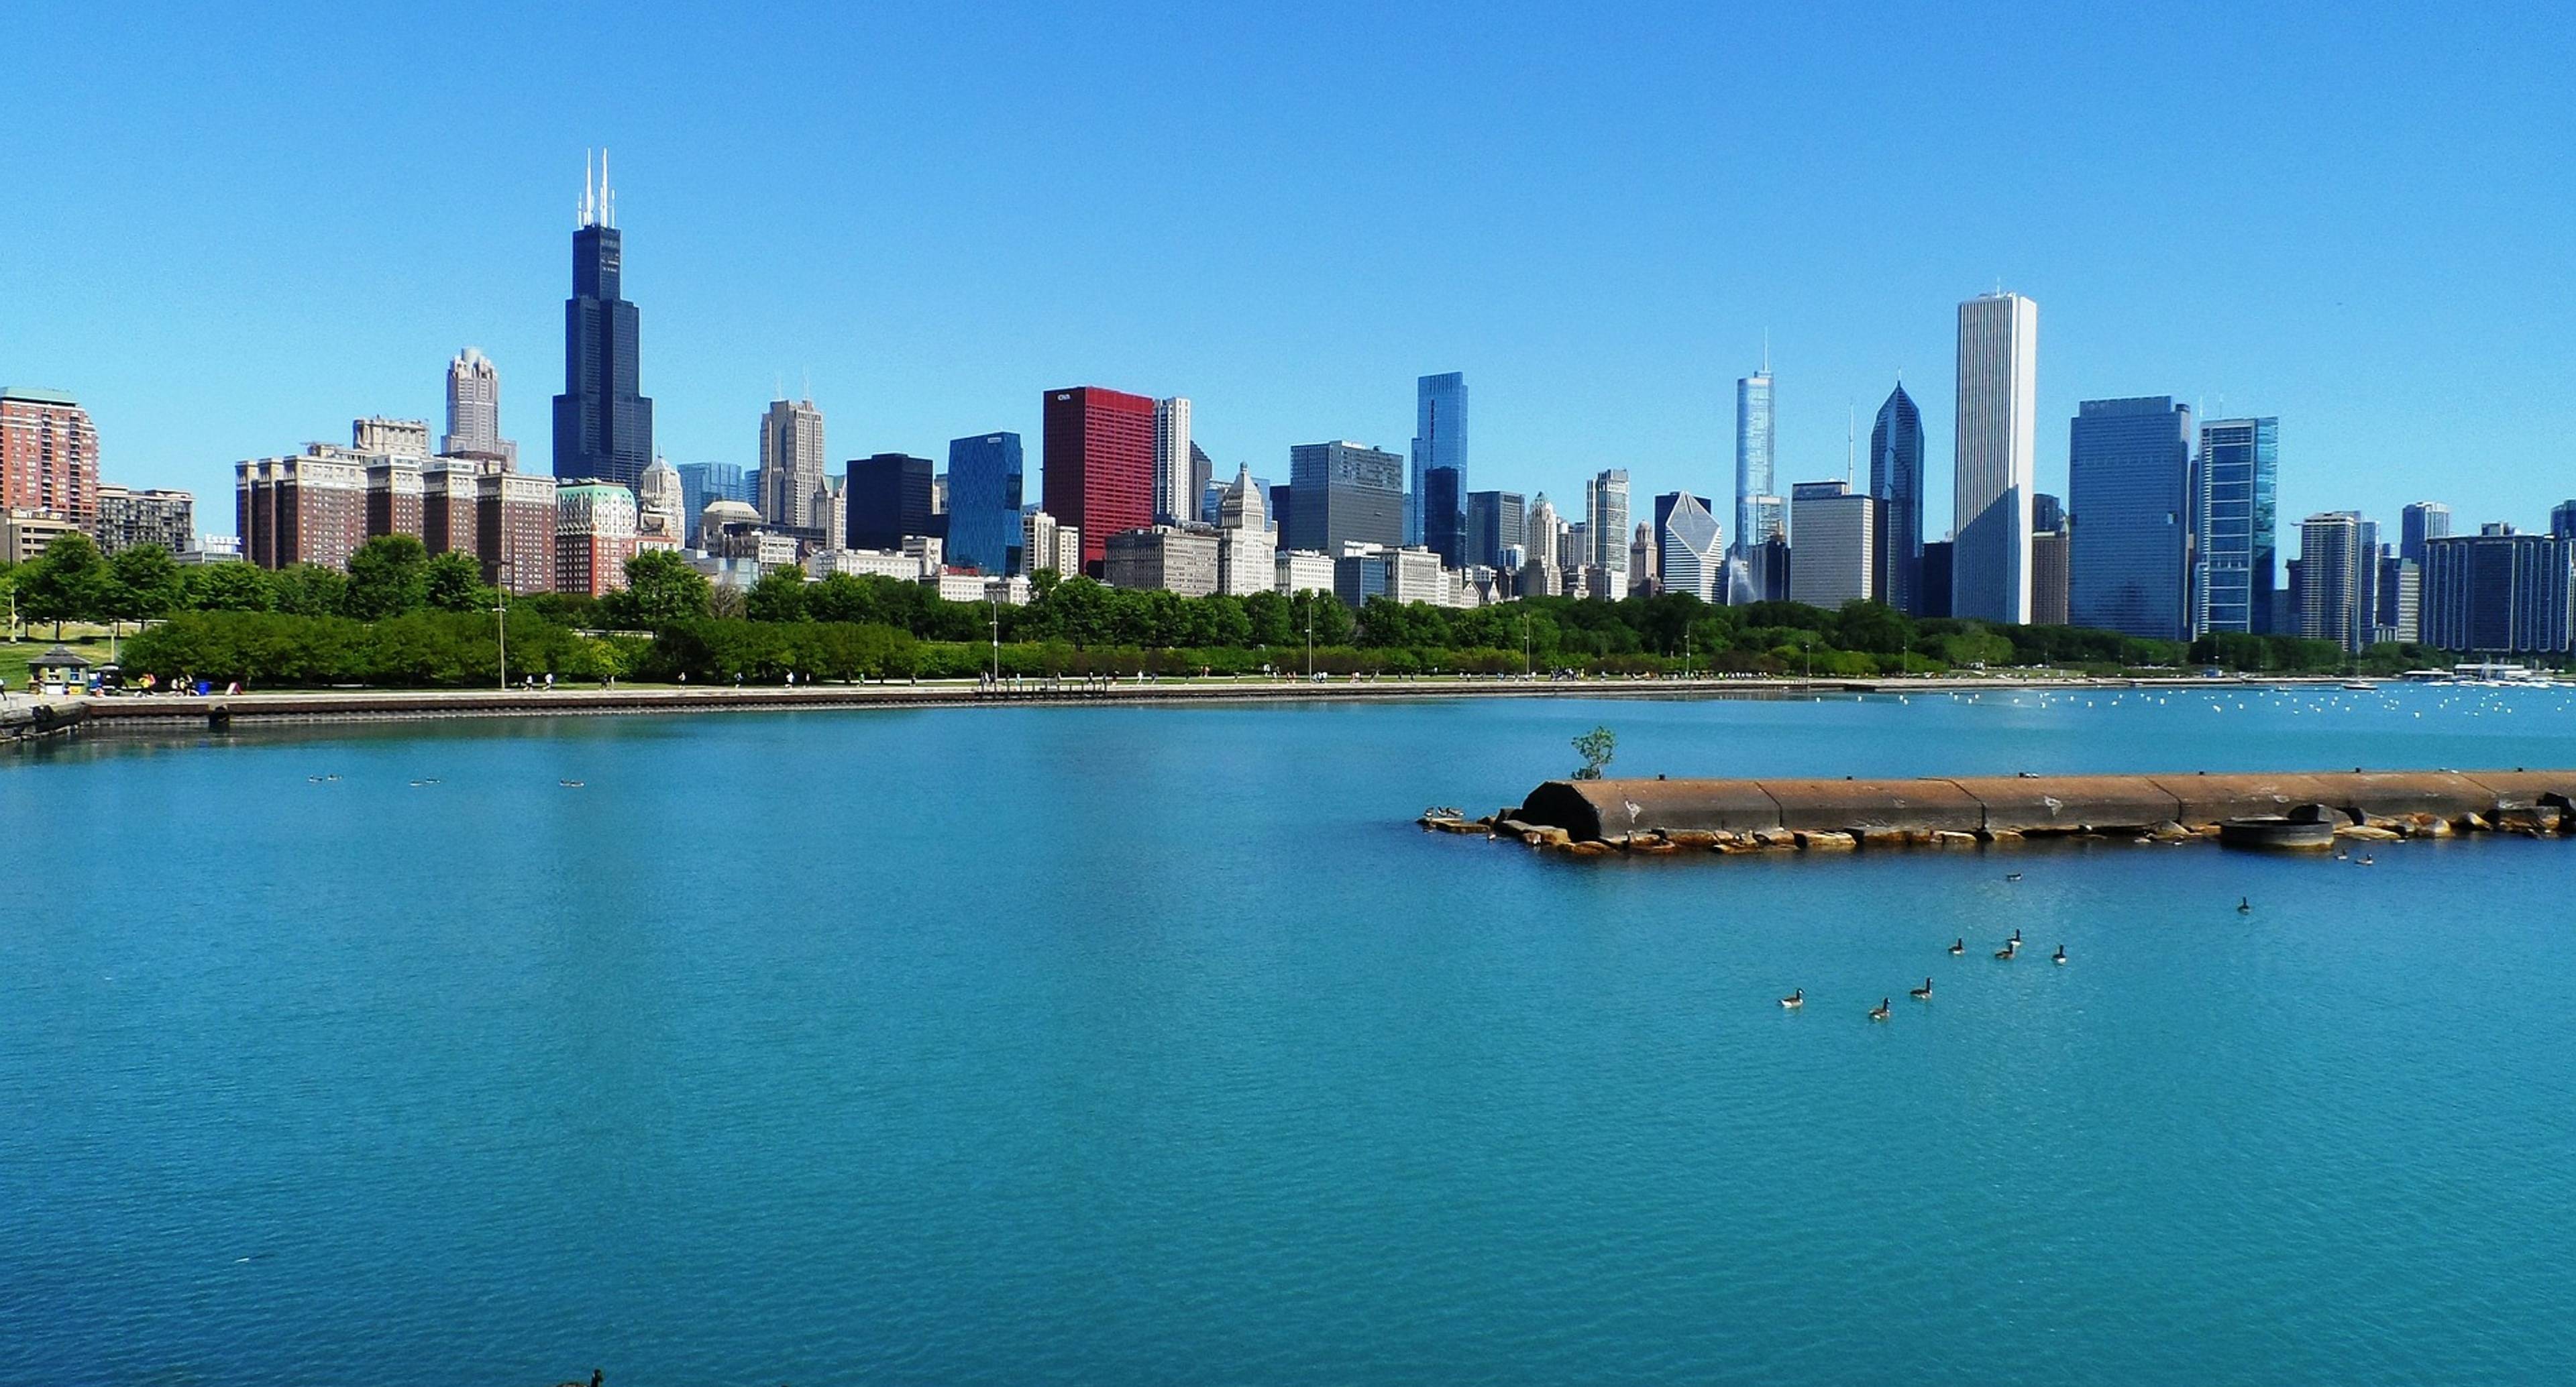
column 474, row 411
column 791, row 463
column 1175, row 499
column 1606, row 511
column 1759, row 515
column 1998, row 446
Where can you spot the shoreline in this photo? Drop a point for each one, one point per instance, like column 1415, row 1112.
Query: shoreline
column 147, row 713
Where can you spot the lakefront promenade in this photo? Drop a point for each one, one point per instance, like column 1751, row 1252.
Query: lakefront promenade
column 130, row 712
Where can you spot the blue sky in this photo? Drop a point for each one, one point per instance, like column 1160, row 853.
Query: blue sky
column 231, row 230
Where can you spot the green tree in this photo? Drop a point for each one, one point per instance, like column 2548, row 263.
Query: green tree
column 778, row 596
column 1596, row 747
column 453, row 582
column 388, row 577
column 148, row 586
column 1043, row 581
column 229, row 587
column 1268, row 614
column 661, row 589
column 841, row 597
column 309, row 590
column 68, row 582
column 1320, row 613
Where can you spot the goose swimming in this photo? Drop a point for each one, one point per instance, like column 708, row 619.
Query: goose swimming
column 1923, row 993
column 1879, row 1012
column 1796, row 999
column 1959, row 946
column 2061, row 955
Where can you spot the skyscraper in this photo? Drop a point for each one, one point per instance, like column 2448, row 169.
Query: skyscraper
column 1496, row 521
column 1896, row 479
column 1605, row 509
column 474, row 412
column 791, row 464
column 1759, row 515
column 1175, row 498
column 704, row 482
column 2330, row 561
column 1998, row 448
column 1444, row 516
column 2562, row 520
column 1343, row 493
column 1098, row 471
column 1837, row 550
column 2424, row 520
column 49, row 455
column 889, row 501
column 2235, row 573
column 1688, row 556
column 984, row 498
column 1204, row 491
column 603, row 427
column 2128, row 561
column 1246, row 549
column 1439, row 440
column 2500, row 593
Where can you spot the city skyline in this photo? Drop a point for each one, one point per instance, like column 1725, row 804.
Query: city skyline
column 1603, row 338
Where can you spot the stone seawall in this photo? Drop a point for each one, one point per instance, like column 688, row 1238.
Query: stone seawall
column 1602, row 816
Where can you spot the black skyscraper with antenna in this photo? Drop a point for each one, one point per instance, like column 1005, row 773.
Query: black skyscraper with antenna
column 603, row 426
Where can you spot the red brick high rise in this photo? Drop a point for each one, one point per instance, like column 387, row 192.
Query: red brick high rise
column 48, row 454
column 1099, row 465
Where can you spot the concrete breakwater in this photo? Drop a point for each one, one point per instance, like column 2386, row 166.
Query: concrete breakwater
column 1609, row 816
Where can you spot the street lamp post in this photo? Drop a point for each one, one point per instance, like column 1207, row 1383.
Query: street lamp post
column 501, row 610
column 1310, row 635
column 997, row 639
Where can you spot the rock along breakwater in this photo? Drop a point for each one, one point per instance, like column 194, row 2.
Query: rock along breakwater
column 1605, row 817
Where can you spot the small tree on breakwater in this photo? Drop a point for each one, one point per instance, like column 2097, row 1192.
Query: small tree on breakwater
column 1596, row 747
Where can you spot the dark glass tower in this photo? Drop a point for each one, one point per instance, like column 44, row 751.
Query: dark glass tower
column 1896, row 477
column 603, row 427
column 889, row 500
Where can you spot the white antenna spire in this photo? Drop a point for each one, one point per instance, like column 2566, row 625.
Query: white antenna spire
column 1766, row 349
column 1851, row 424
column 586, row 185
column 607, row 199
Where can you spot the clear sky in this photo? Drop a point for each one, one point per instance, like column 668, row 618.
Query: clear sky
column 231, row 230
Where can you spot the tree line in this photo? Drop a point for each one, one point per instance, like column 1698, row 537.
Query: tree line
column 402, row 616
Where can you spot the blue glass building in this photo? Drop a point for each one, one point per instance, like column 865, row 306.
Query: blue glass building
column 984, row 503
column 1439, row 441
column 2236, row 570
column 1896, row 478
column 2128, row 465
column 603, row 427
column 702, row 483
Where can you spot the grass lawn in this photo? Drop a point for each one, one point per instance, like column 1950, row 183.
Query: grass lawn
column 14, row 655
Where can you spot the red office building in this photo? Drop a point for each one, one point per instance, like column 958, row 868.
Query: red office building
column 1099, row 465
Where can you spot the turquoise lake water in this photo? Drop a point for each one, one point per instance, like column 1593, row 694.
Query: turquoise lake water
column 1156, row 1046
